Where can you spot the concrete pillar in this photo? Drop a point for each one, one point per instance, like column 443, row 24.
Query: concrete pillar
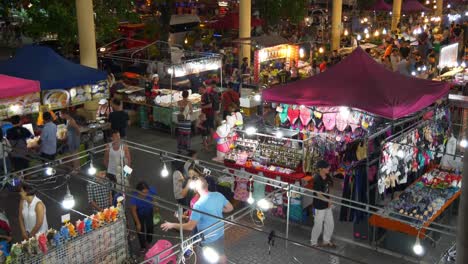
column 396, row 13
column 245, row 15
column 86, row 32
column 336, row 24
column 440, row 8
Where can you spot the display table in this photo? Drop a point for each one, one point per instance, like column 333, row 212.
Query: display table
column 395, row 225
column 290, row 178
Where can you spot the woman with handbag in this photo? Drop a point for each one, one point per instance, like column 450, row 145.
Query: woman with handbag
column 184, row 123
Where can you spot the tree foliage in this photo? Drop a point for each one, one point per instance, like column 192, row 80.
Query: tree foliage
column 274, row 10
column 58, row 18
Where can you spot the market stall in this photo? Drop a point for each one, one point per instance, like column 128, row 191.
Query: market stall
column 63, row 83
column 18, row 96
column 356, row 104
column 154, row 87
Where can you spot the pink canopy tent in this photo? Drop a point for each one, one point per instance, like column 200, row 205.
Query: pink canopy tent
column 411, row 6
column 360, row 82
column 381, row 5
column 12, row 86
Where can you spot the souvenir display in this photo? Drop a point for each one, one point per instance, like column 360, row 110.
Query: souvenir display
column 56, row 98
column 105, row 244
column 426, row 197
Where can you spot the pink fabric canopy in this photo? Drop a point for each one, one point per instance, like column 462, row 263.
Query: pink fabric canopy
column 381, row 5
column 12, row 86
column 410, row 6
column 360, row 82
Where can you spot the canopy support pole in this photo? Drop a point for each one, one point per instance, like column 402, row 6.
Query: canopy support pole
column 336, row 24
column 245, row 16
column 86, row 33
column 396, row 13
column 439, row 8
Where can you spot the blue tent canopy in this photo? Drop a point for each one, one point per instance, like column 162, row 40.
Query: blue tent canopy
column 50, row 69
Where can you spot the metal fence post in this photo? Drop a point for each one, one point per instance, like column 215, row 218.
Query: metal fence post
column 288, row 194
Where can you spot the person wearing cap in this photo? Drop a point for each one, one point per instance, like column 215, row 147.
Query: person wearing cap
column 323, row 219
column 155, row 85
column 104, row 109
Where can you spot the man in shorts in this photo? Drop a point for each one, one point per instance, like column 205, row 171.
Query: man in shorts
column 213, row 203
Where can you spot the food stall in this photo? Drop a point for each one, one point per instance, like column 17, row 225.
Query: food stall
column 175, row 70
column 63, row 83
column 18, row 96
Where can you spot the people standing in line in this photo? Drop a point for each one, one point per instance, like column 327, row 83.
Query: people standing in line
column 184, row 123
column 18, row 135
column 32, row 213
column 230, row 101
column 5, row 149
column 119, row 118
column 322, row 204
column 99, row 193
column 116, row 156
column 73, row 138
column 48, row 140
column 213, row 203
column 142, row 209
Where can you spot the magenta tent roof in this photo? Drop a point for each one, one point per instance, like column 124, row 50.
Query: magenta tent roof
column 12, row 86
column 381, row 5
column 362, row 83
column 410, row 6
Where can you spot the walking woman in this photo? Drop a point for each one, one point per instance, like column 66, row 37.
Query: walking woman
column 73, row 136
column 142, row 208
column 184, row 125
column 32, row 213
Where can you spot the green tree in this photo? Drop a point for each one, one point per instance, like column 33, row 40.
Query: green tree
column 274, row 10
column 58, row 18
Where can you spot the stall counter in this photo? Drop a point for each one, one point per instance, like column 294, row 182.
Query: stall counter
column 290, row 178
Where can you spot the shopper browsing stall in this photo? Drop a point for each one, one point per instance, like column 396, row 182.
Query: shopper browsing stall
column 48, row 140
column 230, row 101
column 119, row 118
column 184, row 123
column 17, row 135
column 32, row 213
column 99, row 193
column 73, row 136
column 323, row 219
column 142, row 209
column 116, row 156
column 212, row 203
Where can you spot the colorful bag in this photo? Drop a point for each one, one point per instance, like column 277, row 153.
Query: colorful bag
column 161, row 249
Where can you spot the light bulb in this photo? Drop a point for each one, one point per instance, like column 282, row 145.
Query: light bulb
column 413, row 73
column 321, row 50
column 250, row 200
column 210, row 255
column 463, row 143
column 264, row 204
column 400, row 153
column 68, row 201
column 418, row 248
column 344, row 112
column 92, row 170
column 279, row 134
column 257, row 97
column 449, row 6
column 384, row 31
column 367, row 36
column 346, row 33
column 358, row 37
column 366, row 30
column 250, row 130
column 376, row 33
column 50, row 171
column 463, row 64
column 424, row 68
column 301, row 53
column 164, row 171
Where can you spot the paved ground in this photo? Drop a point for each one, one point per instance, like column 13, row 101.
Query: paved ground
column 242, row 245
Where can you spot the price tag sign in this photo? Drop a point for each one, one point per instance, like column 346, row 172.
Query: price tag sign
column 65, row 218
